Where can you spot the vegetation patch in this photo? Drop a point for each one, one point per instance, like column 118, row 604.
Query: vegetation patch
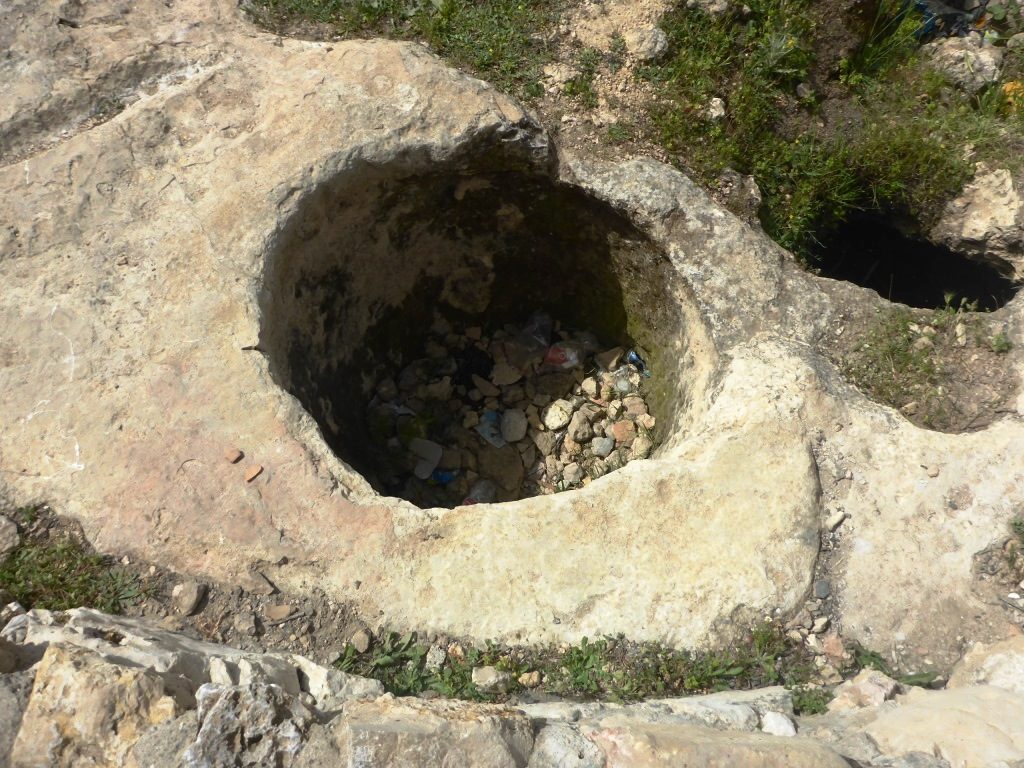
column 502, row 41
column 899, row 137
column 607, row 668
column 55, row 569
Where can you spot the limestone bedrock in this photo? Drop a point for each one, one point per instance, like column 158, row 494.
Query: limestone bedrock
column 154, row 165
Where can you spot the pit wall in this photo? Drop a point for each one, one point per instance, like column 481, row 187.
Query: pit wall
column 355, row 278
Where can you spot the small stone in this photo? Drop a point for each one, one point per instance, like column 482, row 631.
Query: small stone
column 602, row 446
column 545, row 442
column 474, row 332
column 185, row 597
column 624, row 432
column 258, row 584
column 610, row 359
column 435, row 658
column 822, row 588
column 820, row 625
column 590, row 387
column 529, row 679
column 245, row 623
column 277, row 612
column 572, row 474
column 933, row 471
column 253, row 472
column 439, row 390
column 909, row 409
column 833, row 647
column 485, row 388
column 646, row 421
column 504, row 374
column 579, row 428
column 835, row 520
column 470, row 420
column 614, row 409
column 777, row 724
column 9, row 538
column 513, row 425
column 642, row 447
column 233, row 455
column 646, row 43
column 960, row 331
column 557, row 415
column 715, row 109
column 923, row 344
column 361, row 640
column 490, row 679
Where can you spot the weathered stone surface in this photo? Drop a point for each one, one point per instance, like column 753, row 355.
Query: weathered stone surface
column 171, row 214
column 641, row 745
column 164, row 745
column 410, row 732
column 184, row 664
column 84, row 711
column 563, row 746
column 1000, row 664
column 970, row 62
column 14, row 691
column 869, row 688
column 970, row 727
column 986, row 222
column 247, row 725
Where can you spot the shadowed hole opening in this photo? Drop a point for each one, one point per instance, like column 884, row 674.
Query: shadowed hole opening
column 380, row 283
column 871, row 251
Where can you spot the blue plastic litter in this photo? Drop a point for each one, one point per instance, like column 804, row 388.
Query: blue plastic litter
column 634, row 359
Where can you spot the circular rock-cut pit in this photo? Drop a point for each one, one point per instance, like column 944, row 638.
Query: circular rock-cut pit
column 422, row 320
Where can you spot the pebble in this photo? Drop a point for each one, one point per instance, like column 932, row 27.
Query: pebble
column 624, row 432
column 933, row 471
column 557, row 415
column 435, row 657
column 777, row 724
column 361, row 640
column 500, row 409
column 185, row 597
column 820, row 625
column 642, row 447
column 579, row 428
column 277, row 612
column 489, row 679
column 513, row 425
column 245, row 623
column 530, row 679
column 835, row 520
column 822, row 589
column 233, row 455
column 484, row 387
column 253, row 472
column 504, row 374
column 572, row 473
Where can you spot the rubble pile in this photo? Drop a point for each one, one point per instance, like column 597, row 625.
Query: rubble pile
column 499, row 416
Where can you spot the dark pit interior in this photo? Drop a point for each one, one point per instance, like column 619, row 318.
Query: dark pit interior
column 374, row 262
column 870, row 250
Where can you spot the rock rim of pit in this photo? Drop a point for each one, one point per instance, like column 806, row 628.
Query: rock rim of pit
column 136, row 250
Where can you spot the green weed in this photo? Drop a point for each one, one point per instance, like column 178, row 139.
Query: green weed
column 60, row 574
column 809, row 700
column 502, row 41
